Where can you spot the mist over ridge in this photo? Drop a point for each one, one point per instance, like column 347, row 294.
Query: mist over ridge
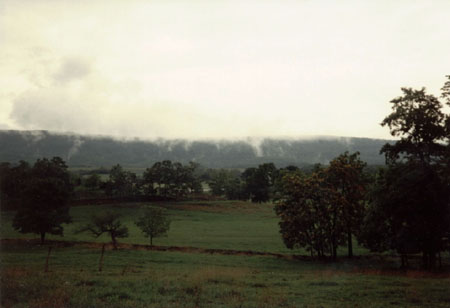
column 86, row 150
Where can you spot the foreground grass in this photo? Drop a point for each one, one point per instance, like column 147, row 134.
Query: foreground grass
column 169, row 279
column 143, row 278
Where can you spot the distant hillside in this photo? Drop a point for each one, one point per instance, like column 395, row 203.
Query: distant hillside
column 80, row 150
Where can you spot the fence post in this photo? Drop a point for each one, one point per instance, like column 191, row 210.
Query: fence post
column 48, row 257
column 100, row 266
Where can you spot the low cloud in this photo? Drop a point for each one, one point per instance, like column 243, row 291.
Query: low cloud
column 4, row 126
column 72, row 69
column 52, row 109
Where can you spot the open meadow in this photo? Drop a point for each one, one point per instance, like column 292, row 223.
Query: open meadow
column 216, row 254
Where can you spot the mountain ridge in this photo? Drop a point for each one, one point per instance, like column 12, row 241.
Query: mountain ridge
column 87, row 150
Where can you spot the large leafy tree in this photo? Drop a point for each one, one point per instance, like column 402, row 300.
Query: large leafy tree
column 309, row 210
column 408, row 212
column 346, row 176
column 413, row 194
column 44, row 196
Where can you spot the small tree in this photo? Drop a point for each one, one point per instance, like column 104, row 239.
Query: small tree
column 106, row 223
column 154, row 223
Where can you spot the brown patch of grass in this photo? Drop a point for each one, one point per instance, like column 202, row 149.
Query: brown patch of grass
column 214, row 274
column 37, row 289
column 220, row 207
column 269, row 298
column 58, row 297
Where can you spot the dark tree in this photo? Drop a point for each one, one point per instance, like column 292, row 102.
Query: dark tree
column 218, row 181
column 413, row 194
column 171, row 180
column 108, row 223
column 259, row 182
column 121, row 183
column 45, row 192
column 93, row 182
column 12, row 181
column 154, row 223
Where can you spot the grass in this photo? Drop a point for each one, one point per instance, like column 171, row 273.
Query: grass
column 145, row 278
column 133, row 278
column 217, row 224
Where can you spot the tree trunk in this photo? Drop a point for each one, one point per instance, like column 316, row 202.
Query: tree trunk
column 334, row 247
column 350, row 244
column 151, row 241
column 114, row 242
column 42, row 237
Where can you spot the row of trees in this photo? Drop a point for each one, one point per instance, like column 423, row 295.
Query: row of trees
column 173, row 180
column 405, row 207
column 41, row 193
column 154, row 222
column 165, row 179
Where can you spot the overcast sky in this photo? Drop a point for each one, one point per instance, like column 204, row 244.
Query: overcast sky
column 216, row 69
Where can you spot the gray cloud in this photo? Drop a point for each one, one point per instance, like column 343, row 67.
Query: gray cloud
column 4, row 126
column 72, row 69
column 51, row 109
column 216, row 69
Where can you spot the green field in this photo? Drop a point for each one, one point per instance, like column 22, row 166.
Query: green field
column 219, row 224
column 146, row 278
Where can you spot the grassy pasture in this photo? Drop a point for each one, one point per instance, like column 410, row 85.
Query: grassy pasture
column 214, row 224
column 144, row 278
column 133, row 278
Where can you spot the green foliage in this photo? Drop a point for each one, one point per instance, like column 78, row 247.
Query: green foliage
column 260, row 181
column 310, row 210
column 154, row 222
column 227, row 183
column 121, row 183
column 107, row 222
column 345, row 176
column 171, row 180
column 317, row 210
column 44, row 194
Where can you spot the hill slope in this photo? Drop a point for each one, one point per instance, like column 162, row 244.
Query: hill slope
column 80, row 150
